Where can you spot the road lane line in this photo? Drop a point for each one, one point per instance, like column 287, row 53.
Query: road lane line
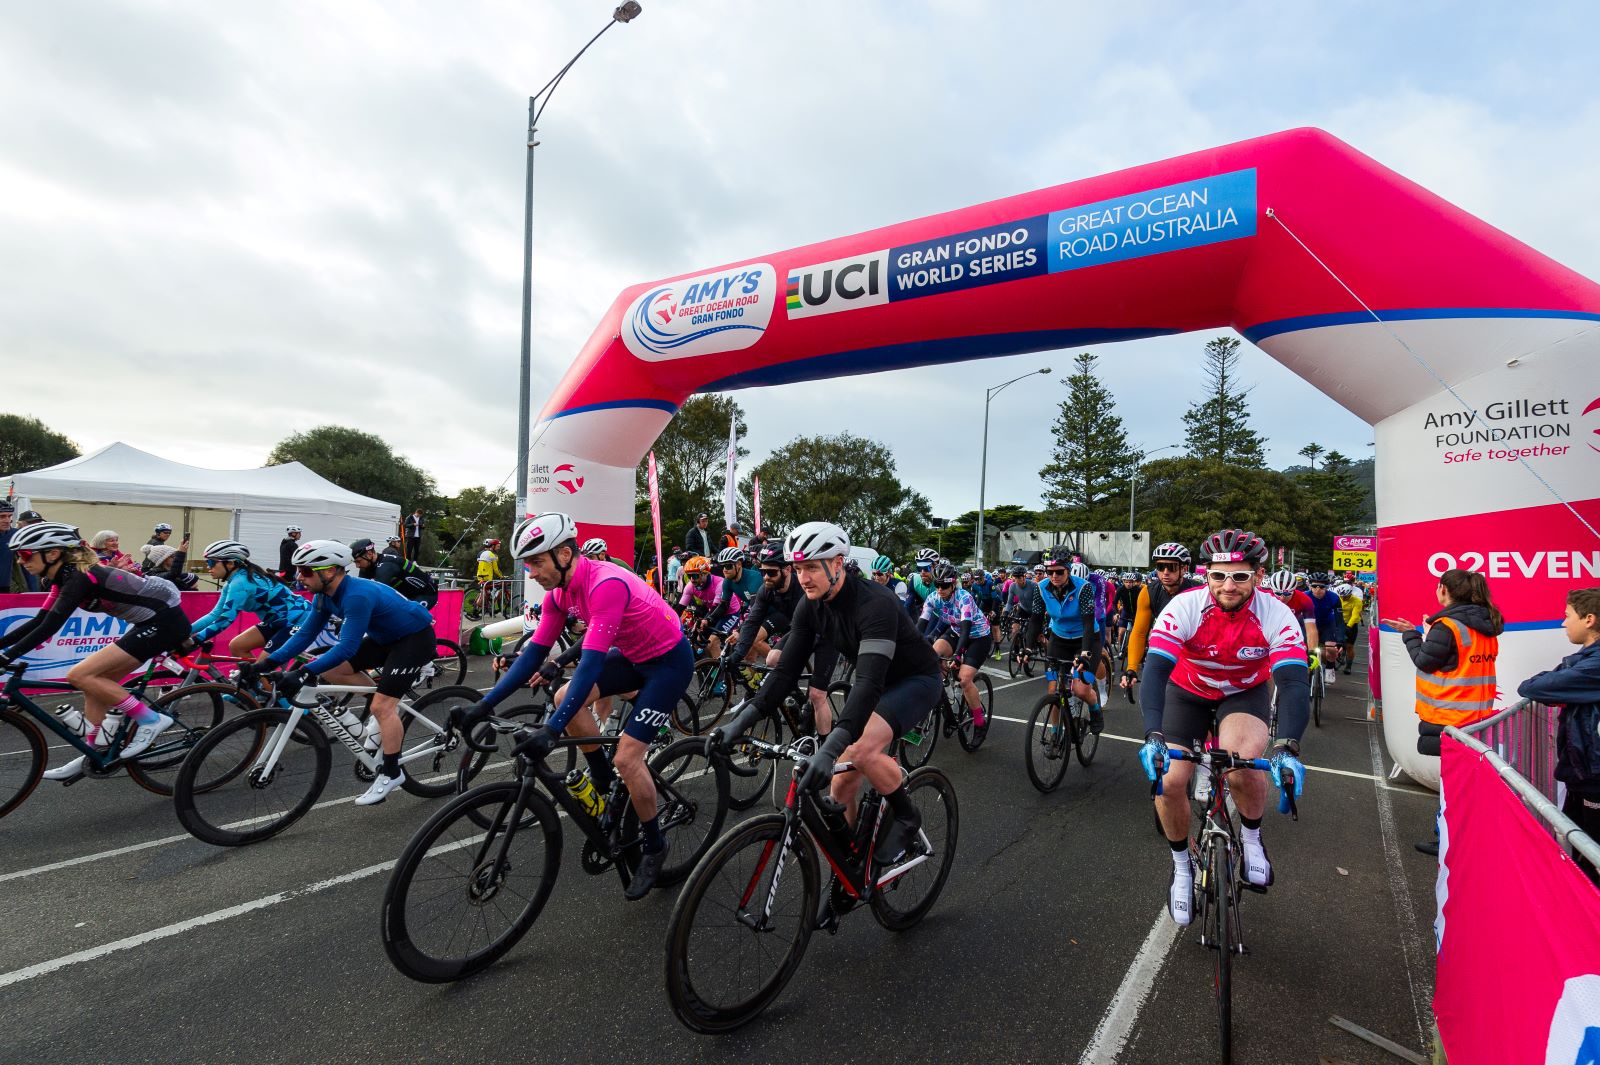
column 1111, row 1036
column 1404, row 912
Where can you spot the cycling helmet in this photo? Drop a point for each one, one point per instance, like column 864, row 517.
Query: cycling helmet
column 1129, row 575
column 1343, row 591
column 292, row 528
column 1234, row 545
column 697, row 565
column 321, row 554
column 361, row 546
column 815, row 540
column 162, row 526
column 1080, row 571
column 44, row 536
column 1320, row 578
column 226, row 551
column 1281, row 582
column 852, row 566
column 1038, row 567
column 594, row 547
column 883, row 564
column 1017, row 571
column 729, row 555
column 1171, row 552
column 771, row 554
column 927, row 555
column 393, row 540
column 542, row 533
column 944, row 576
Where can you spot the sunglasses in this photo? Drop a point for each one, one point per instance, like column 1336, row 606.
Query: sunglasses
column 25, row 555
column 771, row 574
column 308, row 571
column 1055, row 572
column 1168, row 567
column 726, row 566
column 1216, row 577
column 1314, row 587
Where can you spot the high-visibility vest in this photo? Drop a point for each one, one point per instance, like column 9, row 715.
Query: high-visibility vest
column 1464, row 694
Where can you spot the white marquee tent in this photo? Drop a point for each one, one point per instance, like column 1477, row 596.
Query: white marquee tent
column 122, row 488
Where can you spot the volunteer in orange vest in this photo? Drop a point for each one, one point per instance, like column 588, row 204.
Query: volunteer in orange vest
column 1455, row 661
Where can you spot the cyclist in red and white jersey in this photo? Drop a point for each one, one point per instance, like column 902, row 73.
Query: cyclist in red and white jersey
column 1209, row 660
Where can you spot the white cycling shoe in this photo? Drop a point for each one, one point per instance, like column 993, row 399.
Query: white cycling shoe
column 380, row 789
column 1327, row 675
column 1180, row 892
column 70, row 771
column 145, row 735
column 1257, row 866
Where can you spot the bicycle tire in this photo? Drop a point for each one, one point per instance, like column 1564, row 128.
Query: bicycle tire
column 1084, row 738
column 426, row 776
column 1222, row 929
column 224, row 759
column 915, row 755
column 709, row 705
column 1319, row 687
column 750, row 771
column 693, row 972
column 22, row 735
column 449, row 665
column 1040, row 740
column 1014, row 660
column 404, row 919
column 906, row 900
column 688, row 781
column 969, row 735
column 157, row 771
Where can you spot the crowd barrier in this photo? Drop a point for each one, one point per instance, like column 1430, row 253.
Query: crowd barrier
column 1524, row 736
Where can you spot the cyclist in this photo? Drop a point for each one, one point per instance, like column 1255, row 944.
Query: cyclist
column 968, row 638
column 1069, row 604
column 1100, row 588
column 631, row 642
column 248, row 589
column 68, row 570
column 1350, row 595
column 737, row 575
column 705, row 589
column 770, row 616
column 1211, row 654
column 896, row 681
column 920, row 585
column 1127, row 603
column 381, row 629
column 399, row 573
column 1171, row 561
column 1329, row 612
column 1281, row 584
column 1022, row 603
column 597, row 549
column 884, row 574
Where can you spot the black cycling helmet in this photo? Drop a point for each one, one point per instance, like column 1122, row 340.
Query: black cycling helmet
column 771, row 554
column 361, row 546
column 944, row 576
column 1234, row 545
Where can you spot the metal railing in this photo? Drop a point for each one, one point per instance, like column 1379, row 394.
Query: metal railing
column 498, row 599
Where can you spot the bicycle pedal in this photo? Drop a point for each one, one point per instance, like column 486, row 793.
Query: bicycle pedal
column 594, row 863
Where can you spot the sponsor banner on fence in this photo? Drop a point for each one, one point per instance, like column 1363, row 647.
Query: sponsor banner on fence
column 1518, row 929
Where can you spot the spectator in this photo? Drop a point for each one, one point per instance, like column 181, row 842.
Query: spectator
column 107, row 547
column 29, row 581
column 756, row 540
column 1455, row 662
column 413, row 544
column 12, row 575
column 286, row 548
column 1574, row 685
column 163, row 532
column 168, row 564
column 731, row 537
column 697, row 541
column 674, row 568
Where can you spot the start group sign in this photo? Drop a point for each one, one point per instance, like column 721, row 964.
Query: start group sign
column 1359, row 553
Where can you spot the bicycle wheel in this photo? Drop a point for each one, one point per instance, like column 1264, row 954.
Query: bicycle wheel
column 969, row 735
column 23, row 751
column 473, row 763
column 1047, row 745
column 1222, row 928
column 422, row 755
column 1014, row 658
column 741, row 925
column 462, row 893
column 223, row 793
column 1319, row 687
column 749, row 770
column 906, row 899
column 196, row 709
column 708, row 702
column 916, row 746
column 1084, row 737
column 449, row 665
column 691, row 803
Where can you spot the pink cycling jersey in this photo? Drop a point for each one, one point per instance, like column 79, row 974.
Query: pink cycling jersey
column 708, row 593
column 1220, row 653
column 620, row 609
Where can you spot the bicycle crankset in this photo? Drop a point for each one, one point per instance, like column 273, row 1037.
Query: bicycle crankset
column 594, row 862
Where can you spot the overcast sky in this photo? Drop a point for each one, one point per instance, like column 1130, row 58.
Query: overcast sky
column 223, row 224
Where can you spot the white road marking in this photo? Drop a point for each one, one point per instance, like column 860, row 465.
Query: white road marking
column 1404, row 912
column 1111, row 1036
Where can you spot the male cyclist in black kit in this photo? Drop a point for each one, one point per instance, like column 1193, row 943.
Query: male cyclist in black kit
column 768, row 618
column 896, row 684
column 401, row 574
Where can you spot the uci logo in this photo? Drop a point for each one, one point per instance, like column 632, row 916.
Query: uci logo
column 841, row 285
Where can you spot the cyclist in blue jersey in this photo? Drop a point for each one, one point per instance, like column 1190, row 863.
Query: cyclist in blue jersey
column 381, row 629
column 968, row 637
column 1095, row 639
column 1329, row 611
column 248, row 589
column 1069, row 604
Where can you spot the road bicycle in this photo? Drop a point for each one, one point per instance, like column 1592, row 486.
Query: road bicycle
column 477, row 874
column 1219, row 876
column 1020, row 658
column 25, row 729
column 257, row 774
column 743, row 920
column 751, row 770
column 1060, row 725
column 949, row 716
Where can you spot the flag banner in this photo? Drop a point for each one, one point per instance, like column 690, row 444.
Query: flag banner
column 730, row 498
column 655, row 521
column 1518, row 928
column 755, row 499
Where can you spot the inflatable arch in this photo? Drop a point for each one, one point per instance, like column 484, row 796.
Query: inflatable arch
column 1474, row 356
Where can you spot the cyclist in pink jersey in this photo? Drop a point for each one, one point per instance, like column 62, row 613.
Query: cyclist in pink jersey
column 631, row 642
column 721, row 604
column 1210, row 656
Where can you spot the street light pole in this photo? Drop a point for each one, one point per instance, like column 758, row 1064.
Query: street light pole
column 626, row 12
column 983, row 469
column 1133, row 481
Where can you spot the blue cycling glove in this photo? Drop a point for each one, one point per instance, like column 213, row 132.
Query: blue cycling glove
column 1153, row 756
column 1285, row 761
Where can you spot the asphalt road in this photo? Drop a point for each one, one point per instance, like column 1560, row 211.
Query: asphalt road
column 121, row 938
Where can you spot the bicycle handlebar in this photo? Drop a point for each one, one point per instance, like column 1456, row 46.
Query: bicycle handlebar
column 1223, row 760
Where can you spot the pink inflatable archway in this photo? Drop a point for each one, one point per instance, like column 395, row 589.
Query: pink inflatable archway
column 1289, row 239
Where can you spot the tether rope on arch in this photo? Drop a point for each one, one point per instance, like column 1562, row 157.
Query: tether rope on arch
column 1273, row 214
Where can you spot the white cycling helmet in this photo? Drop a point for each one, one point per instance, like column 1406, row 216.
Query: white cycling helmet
column 542, row 533
column 321, row 554
column 45, row 535
column 292, row 528
column 1171, row 552
column 1281, row 582
column 729, row 555
column 162, row 526
column 1343, row 591
column 815, row 540
column 226, row 551
column 1080, row 571
column 594, row 547
column 928, row 555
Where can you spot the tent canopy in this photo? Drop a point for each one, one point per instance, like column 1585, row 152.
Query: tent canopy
column 263, row 500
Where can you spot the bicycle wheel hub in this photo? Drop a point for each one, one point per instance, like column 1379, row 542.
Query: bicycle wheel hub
column 261, row 780
column 484, row 884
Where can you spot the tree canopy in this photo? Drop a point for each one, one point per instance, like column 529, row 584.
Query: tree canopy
column 1217, row 427
column 357, row 462
column 691, row 455
column 28, row 444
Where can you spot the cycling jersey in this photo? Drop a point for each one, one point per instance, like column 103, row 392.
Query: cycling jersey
column 1097, row 584
column 368, row 609
column 1299, row 604
column 1329, row 613
column 1024, row 598
column 1128, row 601
column 1071, row 610
column 747, row 584
column 918, row 589
column 488, row 565
column 773, row 607
column 405, row 577
column 1219, row 652
column 866, row 624
column 960, row 612
column 1352, row 609
column 245, row 592
column 710, row 594
column 1153, row 599
column 99, row 590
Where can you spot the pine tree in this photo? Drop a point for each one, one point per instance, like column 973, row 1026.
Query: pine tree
column 1091, row 459
column 1311, row 453
column 1218, row 427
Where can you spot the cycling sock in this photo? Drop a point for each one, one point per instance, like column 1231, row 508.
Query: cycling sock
column 137, row 712
column 391, row 764
column 654, row 841
column 900, row 803
column 600, row 771
column 1180, row 849
column 1250, row 824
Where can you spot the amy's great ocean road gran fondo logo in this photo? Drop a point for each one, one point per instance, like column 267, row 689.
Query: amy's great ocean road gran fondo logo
column 725, row 311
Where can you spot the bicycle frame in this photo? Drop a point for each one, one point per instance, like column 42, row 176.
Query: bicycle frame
column 267, row 763
column 102, row 759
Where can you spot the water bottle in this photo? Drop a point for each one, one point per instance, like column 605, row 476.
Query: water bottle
column 109, row 728
column 833, row 816
column 581, row 788
column 370, row 740
column 350, row 720
column 71, row 718
column 1202, row 783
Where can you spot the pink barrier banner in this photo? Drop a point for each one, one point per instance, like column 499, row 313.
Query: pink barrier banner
column 1518, row 929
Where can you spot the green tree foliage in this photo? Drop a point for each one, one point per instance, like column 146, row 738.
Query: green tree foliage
column 844, row 479
column 27, row 444
column 958, row 539
column 472, row 516
column 1311, row 453
column 357, row 462
column 1218, row 427
column 691, row 455
column 1091, row 459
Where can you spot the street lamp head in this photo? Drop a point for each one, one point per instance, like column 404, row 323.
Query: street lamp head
column 627, row 12
column 1045, row 370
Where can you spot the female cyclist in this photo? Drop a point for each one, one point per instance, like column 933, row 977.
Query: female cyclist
column 247, row 588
